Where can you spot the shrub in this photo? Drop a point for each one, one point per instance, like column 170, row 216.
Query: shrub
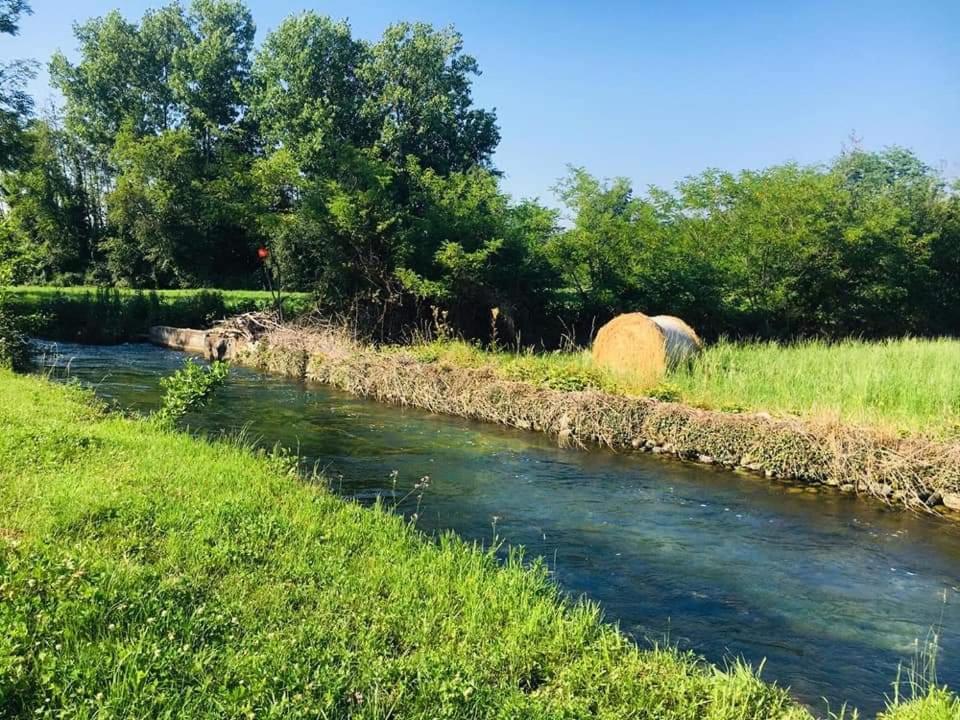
column 190, row 389
column 14, row 343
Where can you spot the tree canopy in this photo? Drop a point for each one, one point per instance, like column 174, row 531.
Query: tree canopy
column 367, row 169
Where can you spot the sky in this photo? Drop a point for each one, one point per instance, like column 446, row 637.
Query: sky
column 656, row 91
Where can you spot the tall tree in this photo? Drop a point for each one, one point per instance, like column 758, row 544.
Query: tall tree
column 160, row 105
column 419, row 100
column 307, row 91
column 46, row 229
column 15, row 102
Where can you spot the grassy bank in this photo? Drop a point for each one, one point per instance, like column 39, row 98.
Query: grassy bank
column 563, row 396
column 900, row 386
column 145, row 573
column 86, row 314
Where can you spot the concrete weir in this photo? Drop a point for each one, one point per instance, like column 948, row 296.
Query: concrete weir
column 212, row 344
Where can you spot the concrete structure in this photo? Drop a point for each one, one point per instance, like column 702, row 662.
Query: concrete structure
column 212, row 344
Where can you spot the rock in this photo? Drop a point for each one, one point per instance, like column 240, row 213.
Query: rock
column 847, row 488
column 951, row 500
column 768, row 473
column 658, row 449
column 705, row 459
column 933, row 499
column 755, row 466
column 636, row 443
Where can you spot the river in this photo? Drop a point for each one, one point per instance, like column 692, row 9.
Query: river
column 834, row 593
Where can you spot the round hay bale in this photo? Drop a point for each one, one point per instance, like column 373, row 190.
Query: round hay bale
column 682, row 343
column 642, row 348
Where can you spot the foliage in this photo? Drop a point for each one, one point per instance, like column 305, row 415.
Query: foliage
column 366, row 169
column 131, row 556
column 190, row 388
column 15, row 103
column 46, row 235
column 15, row 351
column 858, row 247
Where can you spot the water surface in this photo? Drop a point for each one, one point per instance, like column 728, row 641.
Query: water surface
column 832, row 591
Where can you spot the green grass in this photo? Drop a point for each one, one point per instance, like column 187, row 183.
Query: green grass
column 116, row 315
column 904, row 386
column 37, row 292
column 907, row 385
column 148, row 573
column 145, row 573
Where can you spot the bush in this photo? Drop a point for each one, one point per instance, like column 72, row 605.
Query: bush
column 14, row 344
column 190, row 389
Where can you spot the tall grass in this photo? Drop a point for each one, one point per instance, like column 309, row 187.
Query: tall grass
column 904, row 386
column 907, row 385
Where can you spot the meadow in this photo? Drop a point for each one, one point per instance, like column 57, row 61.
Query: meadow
column 905, row 386
column 37, row 293
column 146, row 572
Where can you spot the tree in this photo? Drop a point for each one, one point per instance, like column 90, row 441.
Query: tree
column 596, row 254
column 47, row 236
column 419, row 102
column 159, row 106
column 15, row 103
column 212, row 69
column 307, row 93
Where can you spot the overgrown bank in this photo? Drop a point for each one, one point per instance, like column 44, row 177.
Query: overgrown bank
column 145, row 572
column 912, row 471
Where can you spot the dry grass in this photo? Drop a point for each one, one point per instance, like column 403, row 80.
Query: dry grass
column 632, row 346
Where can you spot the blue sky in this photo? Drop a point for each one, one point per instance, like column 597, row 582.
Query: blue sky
column 659, row 90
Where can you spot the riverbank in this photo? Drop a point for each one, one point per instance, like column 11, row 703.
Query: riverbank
column 906, row 471
column 145, row 571
column 906, row 386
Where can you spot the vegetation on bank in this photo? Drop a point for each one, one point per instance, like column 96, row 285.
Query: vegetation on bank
column 367, row 170
column 901, row 386
column 146, row 572
column 911, row 471
column 107, row 315
column 910, row 385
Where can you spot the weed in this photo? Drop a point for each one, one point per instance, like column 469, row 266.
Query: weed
column 189, row 389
